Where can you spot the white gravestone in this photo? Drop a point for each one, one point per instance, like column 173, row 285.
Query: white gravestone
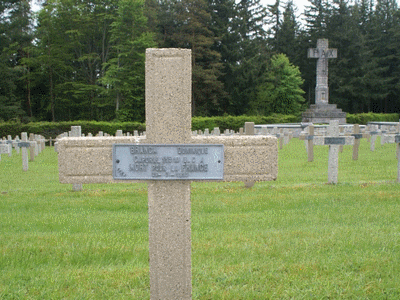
column 4, row 149
column 308, row 138
column 334, row 141
column 24, row 139
column 395, row 139
column 76, row 131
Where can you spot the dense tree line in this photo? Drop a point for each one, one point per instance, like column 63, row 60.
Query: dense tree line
column 84, row 59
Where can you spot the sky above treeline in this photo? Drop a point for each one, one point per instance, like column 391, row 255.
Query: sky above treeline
column 300, row 4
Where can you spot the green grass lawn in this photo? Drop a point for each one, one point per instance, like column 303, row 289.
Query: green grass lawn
column 294, row 238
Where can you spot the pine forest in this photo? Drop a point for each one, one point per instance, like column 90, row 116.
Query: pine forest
column 85, row 59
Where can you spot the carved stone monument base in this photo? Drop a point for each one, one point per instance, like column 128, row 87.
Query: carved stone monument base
column 323, row 113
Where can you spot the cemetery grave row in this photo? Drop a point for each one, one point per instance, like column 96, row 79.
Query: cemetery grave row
column 168, row 121
column 35, row 144
column 246, row 156
column 334, row 136
column 313, row 135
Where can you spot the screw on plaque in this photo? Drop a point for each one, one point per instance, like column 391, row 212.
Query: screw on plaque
column 117, row 161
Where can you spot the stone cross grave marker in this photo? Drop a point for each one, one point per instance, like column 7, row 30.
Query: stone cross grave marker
column 334, row 141
column 395, row 139
column 24, row 144
column 357, row 137
column 308, row 139
column 168, row 123
column 32, row 151
column 15, row 144
column 9, row 142
column 76, row 131
column 310, row 143
column 322, row 53
column 4, row 149
column 373, row 133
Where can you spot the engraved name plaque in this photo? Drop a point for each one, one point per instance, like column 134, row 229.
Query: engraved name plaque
column 335, row 141
column 24, row 144
column 168, row 162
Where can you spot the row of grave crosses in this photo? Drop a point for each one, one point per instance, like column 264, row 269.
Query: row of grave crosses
column 336, row 137
column 337, row 141
column 35, row 144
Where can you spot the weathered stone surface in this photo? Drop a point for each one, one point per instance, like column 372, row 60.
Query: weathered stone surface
column 89, row 159
column 322, row 111
column 320, row 140
column 4, row 148
column 168, row 119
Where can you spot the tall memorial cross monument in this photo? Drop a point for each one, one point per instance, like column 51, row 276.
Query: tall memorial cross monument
column 323, row 54
column 322, row 111
column 168, row 123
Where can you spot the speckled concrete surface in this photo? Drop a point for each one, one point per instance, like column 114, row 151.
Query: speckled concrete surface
column 89, row 159
column 168, row 120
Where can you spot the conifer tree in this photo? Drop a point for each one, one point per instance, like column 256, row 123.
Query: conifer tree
column 15, row 37
column 280, row 92
column 245, row 74
column 189, row 25
column 124, row 71
column 287, row 36
column 381, row 75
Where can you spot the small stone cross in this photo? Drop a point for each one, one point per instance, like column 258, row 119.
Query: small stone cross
column 395, row 139
column 4, row 149
column 308, row 138
column 334, row 141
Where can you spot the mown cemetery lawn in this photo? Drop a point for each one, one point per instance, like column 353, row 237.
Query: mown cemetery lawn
column 295, row 238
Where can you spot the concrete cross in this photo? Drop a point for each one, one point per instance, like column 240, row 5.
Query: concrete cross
column 322, row 53
column 334, row 141
column 357, row 137
column 76, row 131
column 15, row 144
column 24, row 145
column 4, row 149
column 373, row 133
column 9, row 142
column 395, row 139
column 34, row 146
column 309, row 142
column 168, row 121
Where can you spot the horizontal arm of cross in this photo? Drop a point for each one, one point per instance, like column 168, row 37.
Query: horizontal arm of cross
column 321, row 53
column 391, row 139
column 333, row 140
column 89, row 159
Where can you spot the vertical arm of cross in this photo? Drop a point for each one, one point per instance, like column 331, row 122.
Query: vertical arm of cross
column 168, row 121
column 322, row 53
column 24, row 138
column 333, row 164
column 310, row 144
column 397, row 140
column 76, row 131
